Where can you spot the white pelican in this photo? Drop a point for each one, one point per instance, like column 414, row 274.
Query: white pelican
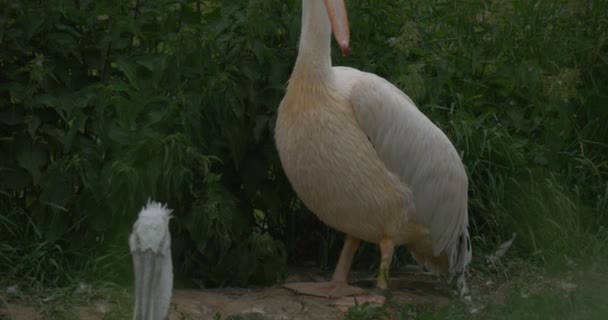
column 150, row 244
column 367, row 162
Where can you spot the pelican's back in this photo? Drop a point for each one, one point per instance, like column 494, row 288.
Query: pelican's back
column 424, row 159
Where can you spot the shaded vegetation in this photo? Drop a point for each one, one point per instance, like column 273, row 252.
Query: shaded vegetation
column 577, row 293
column 104, row 104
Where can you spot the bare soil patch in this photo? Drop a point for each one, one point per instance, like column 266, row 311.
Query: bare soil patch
column 268, row 303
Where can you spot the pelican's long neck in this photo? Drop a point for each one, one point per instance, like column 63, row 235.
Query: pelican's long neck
column 314, row 55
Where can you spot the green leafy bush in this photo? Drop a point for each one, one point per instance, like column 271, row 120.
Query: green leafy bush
column 104, row 104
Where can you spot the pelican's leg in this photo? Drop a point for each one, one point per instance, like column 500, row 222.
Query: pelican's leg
column 346, row 259
column 338, row 285
column 387, row 248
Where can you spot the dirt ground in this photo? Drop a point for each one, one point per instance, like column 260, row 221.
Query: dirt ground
column 408, row 286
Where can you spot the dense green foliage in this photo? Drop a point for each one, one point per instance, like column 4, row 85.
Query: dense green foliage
column 104, row 104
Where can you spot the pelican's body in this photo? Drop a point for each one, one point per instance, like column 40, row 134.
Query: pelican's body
column 366, row 161
column 331, row 164
column 150, row 244
column 337, row 170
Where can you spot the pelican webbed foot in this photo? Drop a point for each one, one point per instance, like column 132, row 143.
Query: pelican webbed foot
column 330, row 289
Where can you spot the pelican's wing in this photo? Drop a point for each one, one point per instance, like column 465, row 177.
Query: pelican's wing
column 417, row 151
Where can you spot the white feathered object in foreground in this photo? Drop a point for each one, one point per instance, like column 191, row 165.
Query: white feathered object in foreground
column 150, row 244
column 367, row 162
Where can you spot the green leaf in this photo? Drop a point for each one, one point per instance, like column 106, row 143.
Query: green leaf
column 57, row 190
column 33, row 123
column 261, row 123
column 31, row 158
column 152, row 62
column 75, row 126
column 11, row 117
column 129, row 69
column 14, row 178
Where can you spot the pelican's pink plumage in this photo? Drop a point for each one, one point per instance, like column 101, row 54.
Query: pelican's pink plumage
column 366, row 161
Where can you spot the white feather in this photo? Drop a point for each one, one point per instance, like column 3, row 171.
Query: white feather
column 420, row 154
column 150, row 244
column 151, row 228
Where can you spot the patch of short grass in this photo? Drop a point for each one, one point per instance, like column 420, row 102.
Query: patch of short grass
column 576, row 290
column 78, row 301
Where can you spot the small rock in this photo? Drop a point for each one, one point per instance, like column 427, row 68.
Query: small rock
column 14, row 289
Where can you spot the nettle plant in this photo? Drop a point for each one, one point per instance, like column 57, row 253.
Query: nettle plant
column 104, row 105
